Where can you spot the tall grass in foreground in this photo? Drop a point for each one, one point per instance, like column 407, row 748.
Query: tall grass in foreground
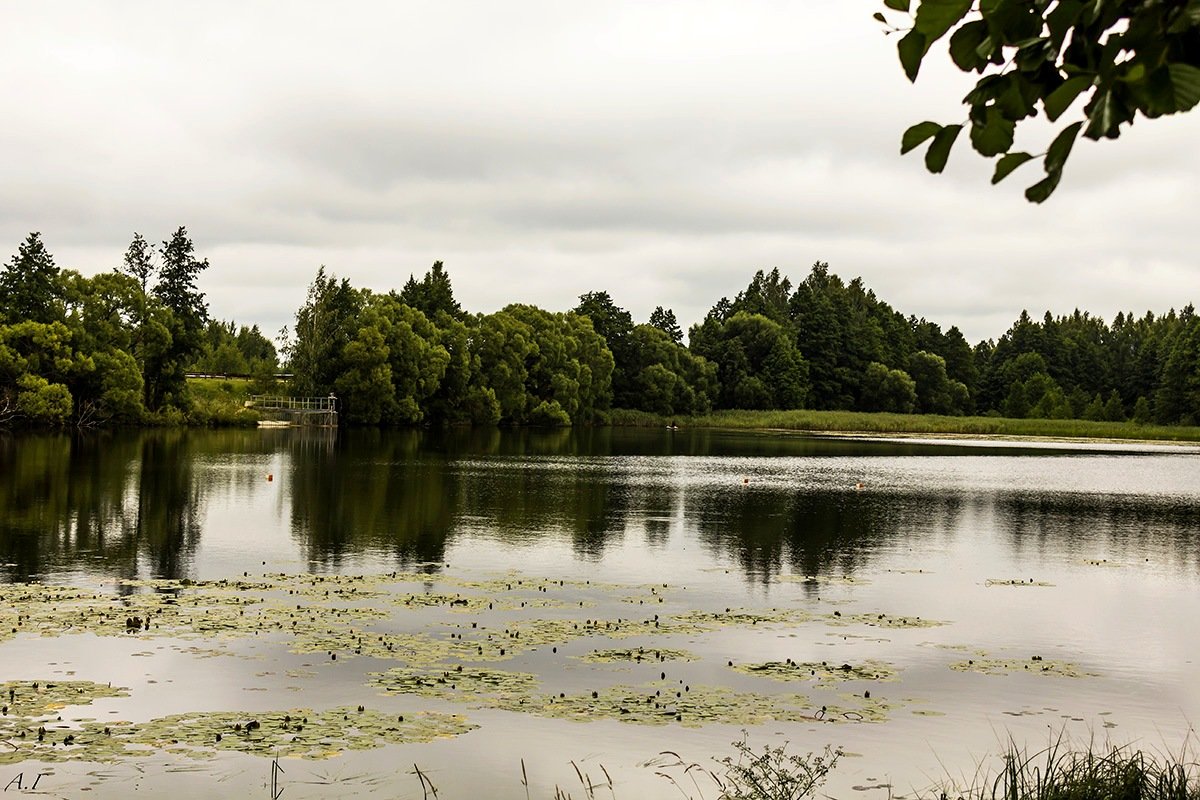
column 1061, row 773
column 885, row 423
column 1057, row 772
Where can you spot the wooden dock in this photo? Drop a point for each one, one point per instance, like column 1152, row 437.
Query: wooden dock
column 320, row 411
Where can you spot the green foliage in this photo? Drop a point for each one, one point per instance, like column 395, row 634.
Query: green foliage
column 230, row 350
column 665, row 321
column 325, row 325
column 888, row 390
column 615, row 326
column 1142, row 413
column 505, row 347
column 936, row 392
column 775, row 774
column 1178, row 395
column 571, row 365
column 1125, row 57
column 758, row 365
column 550, row 414
column 183, row 313
column 29, row 286
column 433, row 295
column 667, row 377
column 42, row 402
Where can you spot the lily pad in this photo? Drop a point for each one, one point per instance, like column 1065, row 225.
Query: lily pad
column 820, row 673
column 1035, row 665
column 637, row 655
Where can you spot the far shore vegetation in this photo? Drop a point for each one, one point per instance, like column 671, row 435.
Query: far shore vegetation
column 878, row 423
column 823, row 355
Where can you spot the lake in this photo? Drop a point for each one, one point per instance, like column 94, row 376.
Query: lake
column 560, row 607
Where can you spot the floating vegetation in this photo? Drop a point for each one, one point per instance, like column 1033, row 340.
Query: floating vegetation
column 663, row 703
column 637, row 655
column 1003, row 582
column 822, row 673
column 300, row 733
column 41, row 698
column 885, row 621
column 463, row 684
column 710, row 620
column 1034, row 664
column 529, row 633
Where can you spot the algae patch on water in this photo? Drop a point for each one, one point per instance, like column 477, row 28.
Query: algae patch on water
column 41, row 698
column 300, row 733
column 463, row 684
column 637, row 655
column 822, row 673
column 662, row 703
column 1009, row 666
column 884, row 621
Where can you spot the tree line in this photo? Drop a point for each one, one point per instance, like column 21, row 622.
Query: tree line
column 415, row 356
column 116, row 347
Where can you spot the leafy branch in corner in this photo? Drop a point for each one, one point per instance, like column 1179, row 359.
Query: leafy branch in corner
column 1126, row 57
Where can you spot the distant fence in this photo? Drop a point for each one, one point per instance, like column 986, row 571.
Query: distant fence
column 279, row 376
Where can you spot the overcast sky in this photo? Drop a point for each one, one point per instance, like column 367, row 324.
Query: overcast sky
column 662, row 151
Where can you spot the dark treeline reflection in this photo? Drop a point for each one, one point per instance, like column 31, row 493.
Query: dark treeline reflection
column 822, row 532
column 121, row 505
column 405, row 492
column 1165, row 530
column 134, row 504
column 370, row 489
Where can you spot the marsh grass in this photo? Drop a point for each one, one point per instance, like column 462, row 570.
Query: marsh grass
column 220, row 402
column 1063, row 772
column 1060, row 771
column 884, row 423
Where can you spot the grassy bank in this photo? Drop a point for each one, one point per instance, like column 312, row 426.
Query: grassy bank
column 915, row 424
column 220, row 402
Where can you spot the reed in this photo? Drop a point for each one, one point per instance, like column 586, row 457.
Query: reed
column 1062, row 772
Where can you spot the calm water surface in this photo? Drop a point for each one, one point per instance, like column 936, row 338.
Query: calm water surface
column 1106, row 537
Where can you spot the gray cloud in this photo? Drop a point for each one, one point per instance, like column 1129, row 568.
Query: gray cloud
column 661, row 151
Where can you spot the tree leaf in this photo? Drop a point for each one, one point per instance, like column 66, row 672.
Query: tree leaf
column 1008, row 163
column 917, row 134
column 1189, row 17
column 1043, row 188
column 1061, row 98
column 935, row 17
column 1101, row 118
column 912, row 49
column 995, row 135
column 1060, row 148
column 1186, row 80
column 965, row 42
column 939, row 151
column 897, row 5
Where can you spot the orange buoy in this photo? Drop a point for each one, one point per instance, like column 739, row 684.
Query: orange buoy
column 270, row 478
